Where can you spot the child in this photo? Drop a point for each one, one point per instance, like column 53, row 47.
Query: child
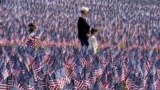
column 93, row 41
column 32, row 38
column 32, row 35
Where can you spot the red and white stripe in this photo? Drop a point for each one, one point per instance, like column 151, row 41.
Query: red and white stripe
column 123, row 74
column 10, row 83
column 20, row 58
column 20, row 87
column 29, row 87
column 73, row 74
column 86, row 83
column 131, row 85
column 35, row 76
column 42, row 84
column 82, row 85
column 98, row 73
column 105, row 87
column 60, row 82
column 86, row 63
column 156, row 85
column 5, row 74
column 53, row 85
column 93, row 79
column 78, row 84
column 3, row 87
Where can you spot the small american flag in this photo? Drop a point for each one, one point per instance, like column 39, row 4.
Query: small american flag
column 51, row 83
column 53, row 86
column 93, row 79
column 29, row 87
column 70, row 65
column 5, row 74
column 20, row 87
column 86, row 63
column 60, row 82
column 157, row 84
column 36, row 77
column 81, row 85
column 20, row 58
column 98, row 73
column 3, row 87
column 10, row 82
column 42, row 83
column 29, row 62
column 105, row 86
column 46, row 58
column 158, row 73
column 131, row 85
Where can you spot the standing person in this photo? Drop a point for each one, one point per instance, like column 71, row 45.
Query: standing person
column 83, row 27
column 93, row 41
column 32, row 35
column 32, row 38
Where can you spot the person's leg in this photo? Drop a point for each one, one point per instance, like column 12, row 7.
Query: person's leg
column 86, row 43
column 82, row 42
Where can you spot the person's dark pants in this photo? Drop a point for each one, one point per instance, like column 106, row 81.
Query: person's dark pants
column 84, row 42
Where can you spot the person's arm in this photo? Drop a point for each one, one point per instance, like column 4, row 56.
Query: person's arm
column 86, row 27
column 90, row 43
column 30, row 37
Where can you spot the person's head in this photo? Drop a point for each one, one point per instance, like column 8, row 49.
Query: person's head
column 84, row 11
column 94, row 31
column 32, row 28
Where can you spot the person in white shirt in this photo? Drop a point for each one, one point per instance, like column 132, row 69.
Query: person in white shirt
column 32, row 37
column 93, row 45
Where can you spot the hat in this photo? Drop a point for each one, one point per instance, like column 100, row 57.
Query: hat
column 86, row 9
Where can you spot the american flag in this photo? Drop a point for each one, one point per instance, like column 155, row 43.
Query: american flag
column 123, row 76
column 98, row 73
column 3, row 86
column 36, row 77
column 86, row 83
column 37, row 68
column 86, row 63
column 20, row 58
column 20, row 87
column 42, row 83
column 29, row 62
column 93, row 79
column 29, row 87
column 131, row 84
column 104, row 62
column 81, row 85
column 125, row 72
column 5, row 74
column 158, row 73
column 7, row 58
column 60, row 82
column 53, row 86
column 50, row 71
column 46, row 58
column 16, row 73
column 157, row 84
column 10, row 82
column 70, row 65
column 105, row 86
column 72, row 74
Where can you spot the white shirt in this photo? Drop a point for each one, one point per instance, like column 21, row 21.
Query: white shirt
column 32, row 34
column 93, row 43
